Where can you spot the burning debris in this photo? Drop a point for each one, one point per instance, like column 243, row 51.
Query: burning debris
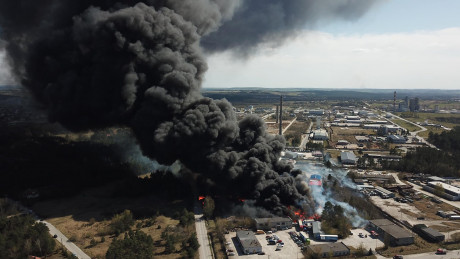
column 94, row 64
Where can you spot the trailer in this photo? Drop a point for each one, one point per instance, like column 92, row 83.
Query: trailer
column 330, row 238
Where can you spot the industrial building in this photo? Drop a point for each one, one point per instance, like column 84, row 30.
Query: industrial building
column 316, row 112
column 384, row 193
column 273, row 223
column 249, row 242
column 428, row 234
column 449, row 192
column 397, row 235
column 397, row 139
column 316, row 229
column 362, row 138
column 320, row 134
column 329, row 249
column 348, row 157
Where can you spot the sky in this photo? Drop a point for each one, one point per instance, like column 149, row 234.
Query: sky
column 398, row 44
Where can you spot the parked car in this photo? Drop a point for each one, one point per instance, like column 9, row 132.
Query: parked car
column 441, row 251
column 261, row 253
column 398, row 257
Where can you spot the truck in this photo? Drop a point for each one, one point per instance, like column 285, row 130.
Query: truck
column 331, row 238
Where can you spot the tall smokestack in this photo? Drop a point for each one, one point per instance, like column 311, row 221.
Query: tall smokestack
column 277, row 114
column 394, row 102
column 281, row 116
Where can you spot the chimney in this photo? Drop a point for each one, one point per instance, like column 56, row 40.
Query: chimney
column 277, row 113
column 394, row 102
column 281, row 115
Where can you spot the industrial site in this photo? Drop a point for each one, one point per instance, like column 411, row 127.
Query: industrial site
column 349, row 147
column 216, row 129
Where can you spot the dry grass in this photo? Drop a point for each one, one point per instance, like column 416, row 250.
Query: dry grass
column 87, row 216
column 419, row 246
column 429, row 208
column 348, row 134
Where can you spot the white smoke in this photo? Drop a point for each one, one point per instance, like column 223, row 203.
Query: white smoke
column 321, row 195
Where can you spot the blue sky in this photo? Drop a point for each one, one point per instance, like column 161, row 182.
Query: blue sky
column 397, row 44
column 392, row 16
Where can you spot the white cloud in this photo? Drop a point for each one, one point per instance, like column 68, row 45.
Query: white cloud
column 423, row 59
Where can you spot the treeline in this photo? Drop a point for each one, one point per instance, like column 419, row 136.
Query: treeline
column 333, row 220
column 448, row 140
column 444, row 162
column 427, row 161
column 21, row 236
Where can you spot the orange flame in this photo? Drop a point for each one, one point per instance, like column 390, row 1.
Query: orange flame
column 201, row 198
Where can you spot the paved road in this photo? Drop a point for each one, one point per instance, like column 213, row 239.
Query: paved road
column 54, row 231
column 414, row 134
column 454, row 254
column 65, row 241
column 202, row 235
column 304, row 141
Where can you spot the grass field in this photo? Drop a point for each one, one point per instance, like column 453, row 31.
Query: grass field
column 406, row 125
column 424, row 134
column 348, row 134
column 296, row 130
column 446, row 119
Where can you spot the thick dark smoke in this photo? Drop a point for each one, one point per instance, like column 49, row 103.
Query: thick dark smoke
column 96, row 64
column 274, row 21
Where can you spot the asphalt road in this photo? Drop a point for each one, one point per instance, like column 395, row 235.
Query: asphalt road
column 54, row 231
column 65, row 241
column 454, row 254
column 202, row 235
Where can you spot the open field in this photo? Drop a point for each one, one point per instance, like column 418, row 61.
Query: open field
column 295, row 132
column 424, row 134
column 446, row 119
column 348, row 134
column 406, row 125
column 87, row 217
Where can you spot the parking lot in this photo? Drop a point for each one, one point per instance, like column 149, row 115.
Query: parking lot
column 367, row 242
column 290, row 249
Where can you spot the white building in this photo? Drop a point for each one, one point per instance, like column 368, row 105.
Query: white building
column 348, row 157
column 320, row 134
column 450, row 192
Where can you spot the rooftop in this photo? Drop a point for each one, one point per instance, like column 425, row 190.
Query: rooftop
column 348, row 155
column 329, row 247
column 248, row 239
column 275, row 219
column 391, row 229
column 446, row 187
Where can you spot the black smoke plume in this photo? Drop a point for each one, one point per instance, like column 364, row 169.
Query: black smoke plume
column 97, row 63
